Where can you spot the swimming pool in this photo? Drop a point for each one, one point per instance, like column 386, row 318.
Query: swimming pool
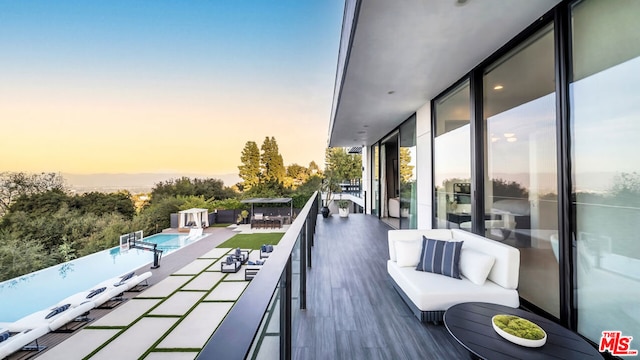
column 27, row 294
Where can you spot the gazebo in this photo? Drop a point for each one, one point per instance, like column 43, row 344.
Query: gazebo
column 193, row 219
column 267, row 201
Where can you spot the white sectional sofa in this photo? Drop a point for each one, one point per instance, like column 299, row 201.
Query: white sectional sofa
column 429, row 294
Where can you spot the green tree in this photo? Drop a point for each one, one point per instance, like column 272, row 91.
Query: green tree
column 508, row 190
column 101, row 203
column 271, row 161
column 314, row 168
column 250, row 168
column 16, row 184
column 266, row 189
column 208, row 188
column 20, row 255
column 406, row 170
column 157, row 215
column 108, row 229
column 298, row 172
column 199, row 202
column 228, row 204
column 43, row 203
column 341, row 165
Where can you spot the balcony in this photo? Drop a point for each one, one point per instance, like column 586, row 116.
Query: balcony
column 347, row 309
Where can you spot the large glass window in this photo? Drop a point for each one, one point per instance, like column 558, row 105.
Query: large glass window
column 452, row 159
column 520, row 163
column 408, row 189
column 605, row 129
column 375, row 179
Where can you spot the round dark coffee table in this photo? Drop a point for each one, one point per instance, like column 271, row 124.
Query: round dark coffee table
column 470, row 325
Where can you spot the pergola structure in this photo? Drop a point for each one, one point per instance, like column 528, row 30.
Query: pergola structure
column 193, row 219
column 266, row 201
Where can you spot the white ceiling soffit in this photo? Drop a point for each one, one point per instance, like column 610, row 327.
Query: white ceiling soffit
column 404, row 53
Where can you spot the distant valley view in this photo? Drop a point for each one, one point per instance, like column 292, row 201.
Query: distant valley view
column 134, row 183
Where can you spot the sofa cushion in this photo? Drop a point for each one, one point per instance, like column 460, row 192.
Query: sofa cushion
column 440, row 257
column 475, row 265
column 506, row 270
column 433, row 292
column 408, row 253
column 414, row 235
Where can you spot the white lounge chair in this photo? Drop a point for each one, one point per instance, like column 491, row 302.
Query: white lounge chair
column 53, row 318
column 22, row 339
column 133, row 281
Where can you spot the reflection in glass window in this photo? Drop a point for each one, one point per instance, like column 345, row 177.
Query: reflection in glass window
column 408, row 188
column 375, row 179
column 521, row 194
column 452, row 159
column 605, row 127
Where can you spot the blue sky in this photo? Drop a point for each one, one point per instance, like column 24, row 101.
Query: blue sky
column 184, row 83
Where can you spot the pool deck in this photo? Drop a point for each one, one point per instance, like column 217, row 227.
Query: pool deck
column 165, row 320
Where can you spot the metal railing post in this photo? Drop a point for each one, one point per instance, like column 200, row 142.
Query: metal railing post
column 286, row 312
column 303, row 266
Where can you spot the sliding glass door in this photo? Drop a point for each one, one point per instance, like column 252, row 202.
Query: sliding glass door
column 408, row 179
column 452, row 159
column 520, row 178
column 605, row 130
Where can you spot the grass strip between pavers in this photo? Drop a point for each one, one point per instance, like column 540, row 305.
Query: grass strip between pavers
column 252, row 241
column 165, row 350
column 145, row 314
column 104, row 327
column 184, row 316
column 274, row 239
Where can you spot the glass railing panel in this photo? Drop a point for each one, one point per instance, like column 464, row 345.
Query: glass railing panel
column 260, row 324
column 266, row 344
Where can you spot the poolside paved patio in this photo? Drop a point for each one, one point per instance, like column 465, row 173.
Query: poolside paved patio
column 177, row 314
column 168, row 315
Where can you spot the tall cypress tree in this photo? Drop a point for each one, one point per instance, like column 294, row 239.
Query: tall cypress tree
column 271, row 161
column 250, row 168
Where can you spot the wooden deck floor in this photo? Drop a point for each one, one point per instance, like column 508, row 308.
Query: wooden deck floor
column 353, row 311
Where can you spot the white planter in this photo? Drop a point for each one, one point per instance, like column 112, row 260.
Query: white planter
column 343, row 212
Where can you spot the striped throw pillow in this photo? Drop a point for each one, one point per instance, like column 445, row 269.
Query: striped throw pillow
column 440, row 257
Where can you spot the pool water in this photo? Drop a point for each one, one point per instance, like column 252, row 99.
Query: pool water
column 27, row 294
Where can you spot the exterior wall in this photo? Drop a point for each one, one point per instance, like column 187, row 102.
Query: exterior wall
column 424, row 166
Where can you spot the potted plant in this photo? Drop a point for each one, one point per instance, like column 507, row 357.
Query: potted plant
column 327, row 190
column 404, row 208
column 244, row 214
column 343, row 208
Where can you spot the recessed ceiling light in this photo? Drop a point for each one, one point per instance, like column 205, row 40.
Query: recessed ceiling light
column 494, row 139
column 391, row 92
column 508, row 135
column 365, row 126
column 498, row 87
column 512, row 139
column 362, row 132
column 461, row 2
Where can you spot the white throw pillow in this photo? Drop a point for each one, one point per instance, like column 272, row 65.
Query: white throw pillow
column 408, row 253
column 475, row 265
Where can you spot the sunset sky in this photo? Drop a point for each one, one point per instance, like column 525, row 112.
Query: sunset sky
column 163, row 86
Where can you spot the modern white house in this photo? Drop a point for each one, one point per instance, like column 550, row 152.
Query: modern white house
column 518, row 120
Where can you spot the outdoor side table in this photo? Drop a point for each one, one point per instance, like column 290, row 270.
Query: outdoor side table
column 470, row 324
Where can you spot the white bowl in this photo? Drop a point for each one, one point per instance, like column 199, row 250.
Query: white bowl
column 517, row 340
